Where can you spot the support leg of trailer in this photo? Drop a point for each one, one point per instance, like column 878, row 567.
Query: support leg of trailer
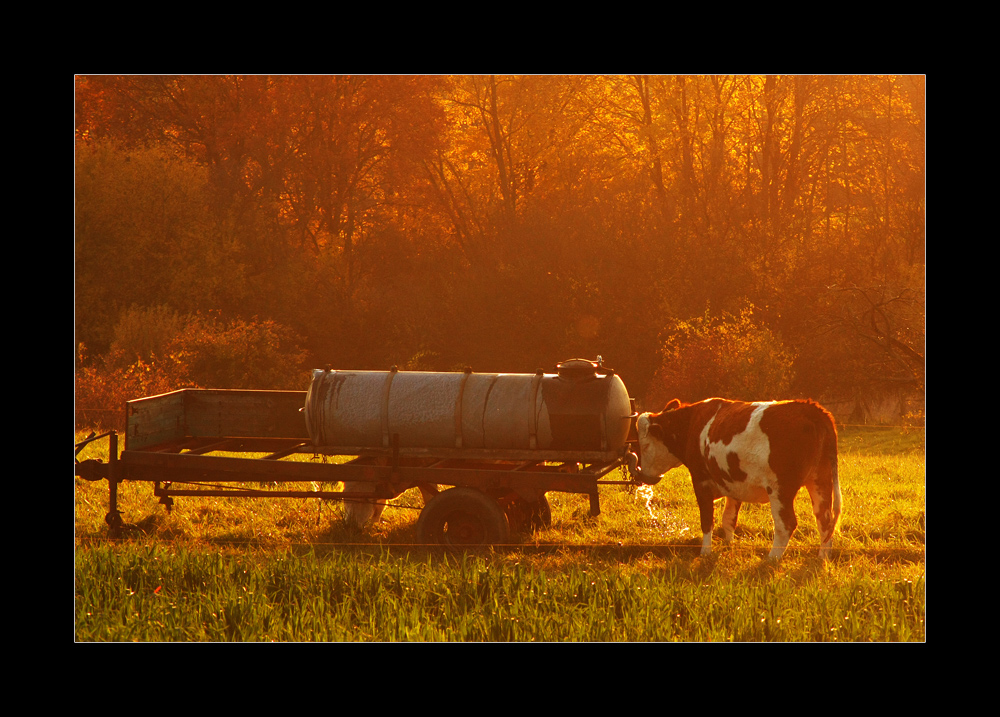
column 595, row 505
column 114, row 516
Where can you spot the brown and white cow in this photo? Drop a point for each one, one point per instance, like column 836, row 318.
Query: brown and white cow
column 748, row 452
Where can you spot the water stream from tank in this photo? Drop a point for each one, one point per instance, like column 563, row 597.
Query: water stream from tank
column 667, row 522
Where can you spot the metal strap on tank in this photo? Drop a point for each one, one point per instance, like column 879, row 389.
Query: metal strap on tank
column 458, row 408
column 385, row 406
column 604, row 412
column 319, row 406
column 533, row 413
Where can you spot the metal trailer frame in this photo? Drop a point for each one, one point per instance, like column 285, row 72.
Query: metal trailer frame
column 170, row 439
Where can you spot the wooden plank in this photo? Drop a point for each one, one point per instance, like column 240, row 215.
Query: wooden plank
column 214, row 413
column 278, row 447
column 142, row 466
column 483, row 454
column 239, row 413
column 154, row 419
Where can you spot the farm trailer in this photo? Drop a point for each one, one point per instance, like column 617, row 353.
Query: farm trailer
column 500, row 442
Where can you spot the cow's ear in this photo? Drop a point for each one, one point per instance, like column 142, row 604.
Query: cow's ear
column 674, row 404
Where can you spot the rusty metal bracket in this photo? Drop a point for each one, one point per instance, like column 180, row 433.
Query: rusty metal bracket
column 92, row 469
column 164, row 494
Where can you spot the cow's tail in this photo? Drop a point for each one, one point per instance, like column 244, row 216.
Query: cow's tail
column 830, row 457
column 836, row 482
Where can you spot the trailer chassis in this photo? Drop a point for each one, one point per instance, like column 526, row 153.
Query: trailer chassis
column 174, row 441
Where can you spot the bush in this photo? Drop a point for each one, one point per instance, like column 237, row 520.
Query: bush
column 142, row 333
column 729, row 356
column 258, row 354
column 103, row 387
column 205, row 352
column 141, row 221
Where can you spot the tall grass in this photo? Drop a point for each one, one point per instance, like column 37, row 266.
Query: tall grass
column 165, row 593
column 286, row 570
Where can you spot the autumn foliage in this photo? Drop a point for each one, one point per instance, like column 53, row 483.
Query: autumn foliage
column 156, row 350
column 731, row 356
column 239, row 230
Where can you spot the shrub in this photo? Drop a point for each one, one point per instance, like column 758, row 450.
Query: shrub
column 103, row 387
column 142, row 333
column 204, row 351
column 729, row 356
column 259, row 354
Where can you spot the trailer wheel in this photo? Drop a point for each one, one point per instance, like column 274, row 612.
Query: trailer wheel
column 462, row 518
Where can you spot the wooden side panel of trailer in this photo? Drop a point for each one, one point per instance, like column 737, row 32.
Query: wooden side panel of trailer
column 239, row 413
column 154, row 420
column 197, row 413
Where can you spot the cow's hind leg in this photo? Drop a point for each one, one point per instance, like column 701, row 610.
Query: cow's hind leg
column 729, row 518
column 785, row 522
column 826, row 507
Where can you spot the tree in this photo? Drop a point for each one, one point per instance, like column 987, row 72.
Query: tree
column 513, row 220
column 501, row 161
column 730, row 356
column 145, row 236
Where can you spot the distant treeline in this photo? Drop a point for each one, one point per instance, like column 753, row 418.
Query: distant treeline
column 738, row 235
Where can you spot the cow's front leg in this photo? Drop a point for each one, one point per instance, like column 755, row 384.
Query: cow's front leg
column 729, row 518
column 706, row 506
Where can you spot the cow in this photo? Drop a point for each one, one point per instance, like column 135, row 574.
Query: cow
column 748, row 452
column 359, row 513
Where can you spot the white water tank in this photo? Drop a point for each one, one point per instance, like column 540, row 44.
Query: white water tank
column 582, row 408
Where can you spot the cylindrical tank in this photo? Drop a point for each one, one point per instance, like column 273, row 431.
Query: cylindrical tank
column 580, row 408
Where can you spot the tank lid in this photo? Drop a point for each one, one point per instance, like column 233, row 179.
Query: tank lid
column 577, row 369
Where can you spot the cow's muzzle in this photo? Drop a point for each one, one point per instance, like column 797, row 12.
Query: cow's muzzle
column 636, row 472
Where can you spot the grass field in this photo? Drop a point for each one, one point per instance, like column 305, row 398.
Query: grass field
column 217, row 569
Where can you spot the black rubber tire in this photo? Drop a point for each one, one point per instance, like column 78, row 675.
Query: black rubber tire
column 462, row 518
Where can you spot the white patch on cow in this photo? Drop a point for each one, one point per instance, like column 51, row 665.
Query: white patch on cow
column 706, row 544
column 753, row 449
column 656, row 457
column 359, row 513
column 781, row 533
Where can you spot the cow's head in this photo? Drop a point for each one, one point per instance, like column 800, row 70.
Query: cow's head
column 661, row 436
